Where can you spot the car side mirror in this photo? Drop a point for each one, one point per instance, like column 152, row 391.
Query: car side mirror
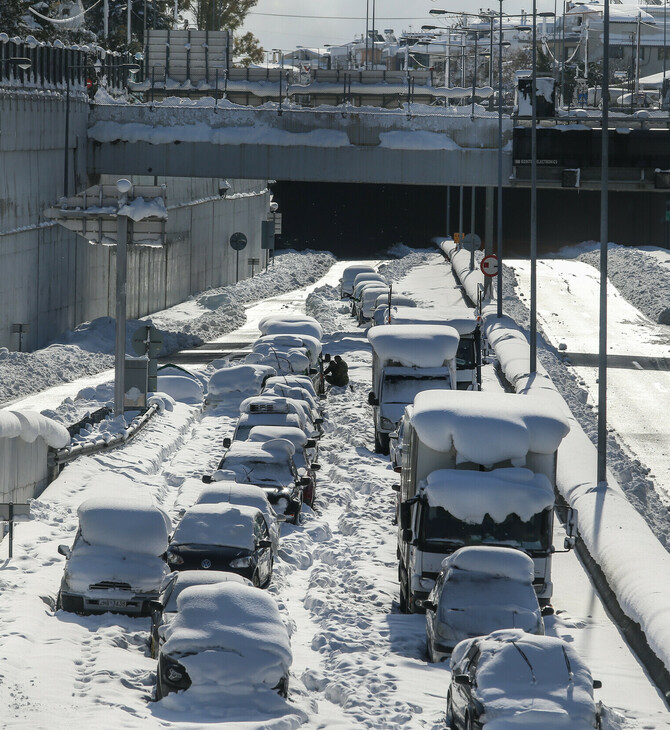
column 463, row 679
column 227, row 441
column 372, row 399
column 407, row 535
column 64, row 550
column 314, row 466
column 395, row 487
column 282, row 518
column 318, row 421
column 547, row 611
column 207, row 479
column 304, row 481
column 393, row 435
column 397, row 469
column 597, row 684
column 569, row 543
column 429, row 605
column 156, row 606
column 264, row 544
column 311, row 444
column 405, row 515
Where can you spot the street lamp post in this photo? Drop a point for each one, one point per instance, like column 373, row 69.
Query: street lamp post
column 130, row 67
column 499, row 288
column 281, row 73
column 23, row 63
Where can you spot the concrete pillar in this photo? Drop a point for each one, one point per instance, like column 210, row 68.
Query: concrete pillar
column 488, row 232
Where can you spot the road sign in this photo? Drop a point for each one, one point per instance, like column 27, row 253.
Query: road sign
column 17, row 510
column 489, row 265
column 147, row 340
column 238, row 241
column 471, row 242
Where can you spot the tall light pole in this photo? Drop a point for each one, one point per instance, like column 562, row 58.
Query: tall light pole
column 281, row 73
column 665, row 53
column 604, row 180
column 499, row 288
column 23, row 63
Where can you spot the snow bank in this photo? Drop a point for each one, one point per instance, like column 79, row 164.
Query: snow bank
column 427, row 346
column 127, row 521
column 247, row 378
column 29, row 425
column 230, row 636
column 487, row 428
column 500, row 493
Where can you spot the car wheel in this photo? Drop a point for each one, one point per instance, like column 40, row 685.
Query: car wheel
column 403, row 598
column 451, row 724
column 159, row 686
column 378, row 446
column 384, row 444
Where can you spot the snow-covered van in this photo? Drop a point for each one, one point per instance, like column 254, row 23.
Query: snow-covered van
column 116, row 562
column 462, row 482
column 407, row 359
column 348, row 276
column 469, row 355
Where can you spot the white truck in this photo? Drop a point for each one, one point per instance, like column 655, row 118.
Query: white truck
column 462, row 319
column 462, row 483
column 407, row 359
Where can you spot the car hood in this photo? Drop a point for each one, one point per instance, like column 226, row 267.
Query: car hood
column 93, row 564
column 547, row 719
column 466, row 622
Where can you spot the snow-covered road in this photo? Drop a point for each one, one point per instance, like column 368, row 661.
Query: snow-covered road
column 358, row 662
column 638, row 396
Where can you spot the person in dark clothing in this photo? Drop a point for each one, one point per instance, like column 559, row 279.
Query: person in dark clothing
column 337, row 372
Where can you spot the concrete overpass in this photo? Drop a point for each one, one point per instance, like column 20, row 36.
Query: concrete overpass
column 334, row 145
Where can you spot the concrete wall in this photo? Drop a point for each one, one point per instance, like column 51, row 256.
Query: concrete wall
column 24, row 469
column 52, row 280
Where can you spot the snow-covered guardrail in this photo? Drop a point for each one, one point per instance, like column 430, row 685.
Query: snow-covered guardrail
column 72, row 451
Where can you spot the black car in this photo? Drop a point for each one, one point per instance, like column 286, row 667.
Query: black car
column 228, row 537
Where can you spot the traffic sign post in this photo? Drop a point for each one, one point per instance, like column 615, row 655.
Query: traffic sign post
column 489, row 265
column 238, row 241
column 7, row 514
column 471, row 242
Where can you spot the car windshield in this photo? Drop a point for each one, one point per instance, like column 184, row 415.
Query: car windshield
column 260, row 472
column 403, row 388
column 440, row 527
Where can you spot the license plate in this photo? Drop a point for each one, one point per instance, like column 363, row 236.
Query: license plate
column 111, row 603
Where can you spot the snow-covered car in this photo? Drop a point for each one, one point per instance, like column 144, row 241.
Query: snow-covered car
column 180, row 384
column 368, row 276
column 283, row 390
column 164, row 609
column 245, row 378
column 348, row 276
column 369, row 286
column 116, row 561
column 368, row 301
column 298, row 381
column 512, row 679
column 480, row 589
column 223, row 536
column 226, row 640
column 293, row 323
column 270, row 466
column 293, row 360
column 221, row 491
column 304, row 456
column 283, row 342
column 380, row 315
column 268, row 404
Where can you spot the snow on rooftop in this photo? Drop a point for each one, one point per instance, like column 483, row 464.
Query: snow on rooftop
column 245, row 378
column 423, row 346
column 30, row 425
column 496, row 562
column 124, row 520
column 471, row 495
column 487, row 428
column 290, row 323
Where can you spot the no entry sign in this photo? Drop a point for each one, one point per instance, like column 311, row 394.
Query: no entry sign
column 489, row 265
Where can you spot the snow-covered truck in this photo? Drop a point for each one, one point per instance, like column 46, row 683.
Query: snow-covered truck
column 478, row 468
column 465, row 322
column 407, row 359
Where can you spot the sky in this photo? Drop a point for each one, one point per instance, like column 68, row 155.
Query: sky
column 286, row 24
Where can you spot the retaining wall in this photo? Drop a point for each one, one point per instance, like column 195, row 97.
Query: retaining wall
column 52, row 280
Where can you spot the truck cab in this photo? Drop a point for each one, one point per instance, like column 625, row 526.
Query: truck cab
column 462, row 482
column 407, row 359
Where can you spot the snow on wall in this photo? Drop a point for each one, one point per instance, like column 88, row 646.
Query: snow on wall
column 487, row 428
column 423, row 346
column 470, row 495
column 30, row 425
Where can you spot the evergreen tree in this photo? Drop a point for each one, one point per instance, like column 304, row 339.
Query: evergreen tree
column 15, row 18
column 220, row 14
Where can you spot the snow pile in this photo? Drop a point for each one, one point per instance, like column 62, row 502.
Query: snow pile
column 29, row 426
column 647, row 290
column 230, row 638
column 428, row 346
column 324, row 304
column 500, row 493
column 217, row 524
column 407, row 259
column 245, row 378
column 487, row 428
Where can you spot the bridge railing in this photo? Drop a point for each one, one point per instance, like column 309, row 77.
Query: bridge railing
column 51, row 64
